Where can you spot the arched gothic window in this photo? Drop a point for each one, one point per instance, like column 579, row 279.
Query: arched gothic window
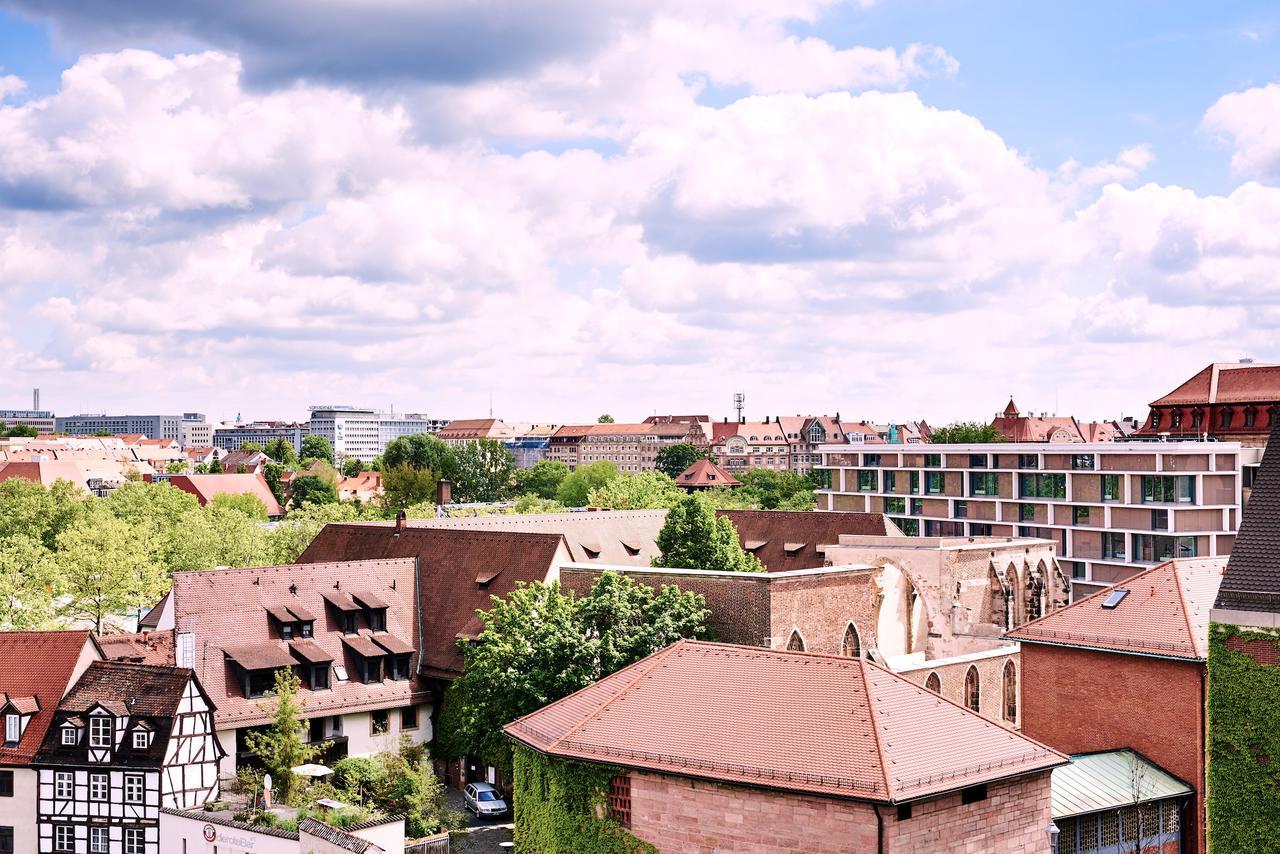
column 795, row 643
column 852, row 645
column 972, row 690
column 1010, row 693
column 933, row 683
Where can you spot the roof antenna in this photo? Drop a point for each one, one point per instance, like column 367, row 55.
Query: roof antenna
column 393, row 584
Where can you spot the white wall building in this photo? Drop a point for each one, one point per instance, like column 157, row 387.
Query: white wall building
column 364, row 433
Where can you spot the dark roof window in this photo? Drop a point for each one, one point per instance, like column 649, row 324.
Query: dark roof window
column 1115, row 597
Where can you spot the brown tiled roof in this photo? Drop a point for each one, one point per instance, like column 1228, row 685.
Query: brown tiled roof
column 625, row 537
column 1028, row 428
column 40, row 665
column 704, row 473
column 1165, row 613
column 823, row 725
column 306, row 650
column 660, row 428
column 141, row 647
column 1252, row 580
column 1227, row 382
column 205, row 486
column 450, row 561
column 364, row 645
column 259, row 656
column 774, row 529
column 239, row 621
column 337, row 838
column 763, row 432
column 150, row 690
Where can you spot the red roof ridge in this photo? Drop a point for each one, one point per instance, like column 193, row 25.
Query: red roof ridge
column 1182, row 601
column 291, row 566
column 875, row 729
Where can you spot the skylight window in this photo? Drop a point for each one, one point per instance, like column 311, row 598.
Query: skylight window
column 1115, row 597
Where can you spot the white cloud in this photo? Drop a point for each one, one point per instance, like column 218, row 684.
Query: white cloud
column 1250, row 120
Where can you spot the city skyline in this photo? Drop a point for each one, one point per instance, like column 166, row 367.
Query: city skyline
column 854, row 205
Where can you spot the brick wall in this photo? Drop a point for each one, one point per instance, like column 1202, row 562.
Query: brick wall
column 990, row 684
column 1011, row 820
column 821, row 608
column 1079, row 701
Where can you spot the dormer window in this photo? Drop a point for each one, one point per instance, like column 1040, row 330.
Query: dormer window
column 99, row 731
column 12, row 729
column 70, row 735
column 375, row 609
column 141, row 739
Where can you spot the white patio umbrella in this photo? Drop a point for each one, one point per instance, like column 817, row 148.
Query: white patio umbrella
column 311, row 769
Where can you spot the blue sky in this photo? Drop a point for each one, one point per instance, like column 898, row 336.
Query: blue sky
column 895, row 209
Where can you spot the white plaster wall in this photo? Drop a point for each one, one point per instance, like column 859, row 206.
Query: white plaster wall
column 177, row 830
column 19, row 812
column 389, row 837
column 357, row 727
column 227, row 765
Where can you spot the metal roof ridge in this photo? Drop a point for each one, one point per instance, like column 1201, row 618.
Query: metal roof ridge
column 890, row 786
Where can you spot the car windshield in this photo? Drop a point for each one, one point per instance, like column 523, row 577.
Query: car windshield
column 487, row 796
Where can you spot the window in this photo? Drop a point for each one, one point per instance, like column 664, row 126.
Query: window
column 1077, row 568
column 260, row 683
column 1156, row 548
column 319, row 676
column 140, row 740
column 962, row 510
column 866, row 480
column 917, row 507
column 1159, row 520
column 1175, row 419
column 380, row 722
column 347, row 622
column 871, row 459
column 62, row 787
column 377, row 618
column 1111, row 488
column 12, row 729
column 1028, row 461
column 620, row 799
column 973, row 794
column 851, row 646
column 1026, row 512
column 398, row 667
column 98, row 787
column 977, row 461
column 1197, row 416
column 933, row 683
column 1168, row 489
column 134, row 841
column 795, row 643
column 1080, row 515
column 895, row 505
column 409, row 718
column 909, row 527
column 890, row 481
column 1224, row 419
column 64, row 837
column 306, row 628
column 6, row 840
column 1115, row 597
column 913, row 483
column 99, row 731
column 979, row 529
column 904, row 812
column 933, row 461
column 6, row 784
column 933, row 482
column 1082, row 462
column 1113, row 545
column 69, row 735
column 984, row 483
column 99, row 840
column 133, row 788
column 1250, row 415
column 972, row 690
column 1010, row 693
column 1042, row 486
column 286, row 631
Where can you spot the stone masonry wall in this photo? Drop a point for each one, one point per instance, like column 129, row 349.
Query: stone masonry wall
column 1011, row 820
column 821, row 607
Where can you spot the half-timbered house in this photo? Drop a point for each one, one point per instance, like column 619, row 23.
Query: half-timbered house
column 126, row 740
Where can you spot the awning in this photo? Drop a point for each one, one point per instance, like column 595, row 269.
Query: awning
column 280, row 614
column 793, row 547
column 1094, row 782
column 267, row 656
column 362, row 645
column 301, row 613
column 392, row 644
column 340, row 600
column 752, row 545
column 368, row 599
column 310, row 651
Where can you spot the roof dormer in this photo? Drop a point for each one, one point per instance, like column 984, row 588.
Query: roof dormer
column 17, row 713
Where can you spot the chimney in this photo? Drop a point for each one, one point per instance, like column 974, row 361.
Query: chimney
column 400, row 520
column 444, row 492
column 35, row 398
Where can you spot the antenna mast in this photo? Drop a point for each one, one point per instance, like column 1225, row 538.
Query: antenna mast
column 738, row 400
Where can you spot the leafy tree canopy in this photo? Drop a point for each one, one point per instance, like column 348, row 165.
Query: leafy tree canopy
column 17, row 430
column 577, row 485
column 281, row 450
column 280, row 747
column 694, row 537
column 605, row 419
column 249, row 505
column 965, row 433
column 768, row 489
column 672, row 460
column 310, row 489
column 352, row 467
column 644, row 490
column 421, row 451
column 486, row 471
column 542, row 479
column 316, row 448
column 404, row 486
column 253, row 447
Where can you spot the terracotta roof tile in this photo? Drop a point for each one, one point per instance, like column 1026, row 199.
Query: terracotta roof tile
column 152, row 690
column 704, row 473
column 40, row 665
column 142, row 647
column 1252, row 581
column 728, row 713
column 1227, row 382
column 771, row 531
column 625, row 537
column 1164, row 613
column 260, row 656
column 205, row 486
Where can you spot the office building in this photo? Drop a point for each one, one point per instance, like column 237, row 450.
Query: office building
column 41, row 419
column 364, row 433
column 150, row 426
column 230, row 437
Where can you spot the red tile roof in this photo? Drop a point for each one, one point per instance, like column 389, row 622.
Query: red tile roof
column 226, row 610
column 760, row 430
column 1227, row 382
column 205, row 486
column 1165, row 613
column 144, row 647
column 823, row 725
column 706, row 474
column 769, row 532
column 144, row 689
column 40, row 665
column 451, row 562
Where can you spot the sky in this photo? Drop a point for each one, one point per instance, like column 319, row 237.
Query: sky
column 896, row 210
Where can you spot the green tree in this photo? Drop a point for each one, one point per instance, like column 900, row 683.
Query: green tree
column 486, row 471
column 40, row 512
column 219, row 536
column 290, row 538
column 215, row 465
column 249, row 505
column 316, row 448
column 404, row 486
column 280, row 747
column 18, row 430
column 106, row 569
column 29, row 584
column 175, row 467
column 281, row 450
column 767, row 489
column 644, row 490
column 577, row 485
column 155, row 514
column 352, row 467
column 310, row 489
column 201, row 468
column 672, row 460
column 273, row 474
column 965, row 433
column 540, row 644
column 542, row 479
column 530, row 503
column 694, row 537
column 421, row 451
column 251, row 447
column 605, row 419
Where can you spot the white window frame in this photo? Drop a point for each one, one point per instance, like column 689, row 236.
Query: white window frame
column 69, row 736
column 64, row 837
column 141, row 739
column 12, row 728
column 99, row 840
column 135, row 788
column 99, row 780
column 64, row 785
column 135, row 840
column 99, row 731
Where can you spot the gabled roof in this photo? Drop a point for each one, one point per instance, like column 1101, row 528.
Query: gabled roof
column 1165, row 613
column 622, row 537
column 40, row 665
column 769, row 531
column 1252, row 581
column 1111, row 780
column 152, row 690
column 762, row 431
column 1227, row 382
column 705, row 474
column 449, row 563
column 205, row 486
column 142, row 647
column 824, row 725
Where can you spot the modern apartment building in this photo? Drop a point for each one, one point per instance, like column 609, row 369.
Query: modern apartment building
column 196, row 431
column 364, row 433
column 150, row 426
column 231, row 437
column 1113, row 508
column 40, row 419
column 631, row 447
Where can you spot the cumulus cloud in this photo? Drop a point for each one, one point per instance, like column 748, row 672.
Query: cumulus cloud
column 1250, row 120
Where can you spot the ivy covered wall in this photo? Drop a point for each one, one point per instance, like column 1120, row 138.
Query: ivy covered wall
column 560, row 808
column 1243, row 741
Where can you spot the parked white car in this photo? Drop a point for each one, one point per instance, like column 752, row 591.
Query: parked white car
column 483, row 799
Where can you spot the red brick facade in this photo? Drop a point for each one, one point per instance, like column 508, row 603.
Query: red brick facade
column 1081, row 701
column 680, row 815
column 991, row 695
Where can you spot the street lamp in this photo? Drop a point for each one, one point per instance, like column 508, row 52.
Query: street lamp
column 1052, row 831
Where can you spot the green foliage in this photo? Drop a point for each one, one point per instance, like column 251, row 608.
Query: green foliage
column 767, row 489
column 18, row 430
column 281, row 451
column 421, row 451
column 404, row 486
column 577, row 485
column 273, row 474
column 534, row 504
column 215, row 465
column 316, row 448
column 559, row 808
column 106, row 569
column 965, row 433
column 175, row 467
column 249, row 505
column 402, row 783
column 29, row 583
column 693, row 537
column 202, row 468
column 542, row 479
column 486, row 471
column 605, row 419
column 1244, row 746
column 290, row 538
column 251, row 447
column 352, row 468
column 540, row 644
column 280, row 747
column 30, row 509
column 309, row 489
column 644, row 490
column 671, row 460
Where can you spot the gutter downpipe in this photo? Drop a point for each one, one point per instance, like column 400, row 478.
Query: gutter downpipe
column 879, row 829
